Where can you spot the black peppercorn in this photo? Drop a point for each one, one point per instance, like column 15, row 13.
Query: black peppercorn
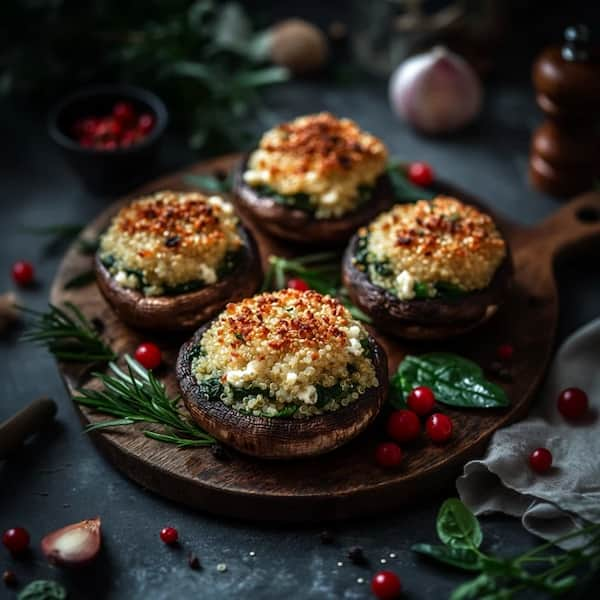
column 357, row 556
column 220, row 452
column 194, row 562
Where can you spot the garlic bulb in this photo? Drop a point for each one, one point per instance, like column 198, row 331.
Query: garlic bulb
column 436, row 92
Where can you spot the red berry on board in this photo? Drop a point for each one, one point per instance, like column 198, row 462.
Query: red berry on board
column 145, row 123
column 420, row 173
column 169, row 535
column 505, row 352
column 298, row 284
column 16, row 539
column 386, row 585
column 129, row 137
column 89, row 126
column 421, row 399
column 573, row 403
column 439, row 428
column 22, row 272
column 540, row 460
column 388, row 454
column 403, row 426
column 148, row 355
column 124, row 112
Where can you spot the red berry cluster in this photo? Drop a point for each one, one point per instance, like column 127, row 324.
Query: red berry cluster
column 403, row 426
column 123, row 127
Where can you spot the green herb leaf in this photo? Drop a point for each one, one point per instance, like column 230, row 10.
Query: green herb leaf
column 208, row 183
column 405, row 191
column 80, row 280
column 476, row 589
column 462, row 558
column 457, row 526
column 42, row 589
column 455, row 381
column 137, row 396
column 68, row 335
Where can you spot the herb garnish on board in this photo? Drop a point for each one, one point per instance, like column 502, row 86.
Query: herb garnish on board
column 500, row 578
column 455, row 381
column 137, row 396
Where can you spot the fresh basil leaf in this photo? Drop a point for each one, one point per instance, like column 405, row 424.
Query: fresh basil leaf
column 421, row 290
column 474, row 589
column 445, row 289
column 211, row 387
column 462, row 558
column 455, row 381
column 404, row 191
column 457, row 526
column 42, row 590
column 287, row 411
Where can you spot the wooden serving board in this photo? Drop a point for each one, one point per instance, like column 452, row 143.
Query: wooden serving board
column 346, row 482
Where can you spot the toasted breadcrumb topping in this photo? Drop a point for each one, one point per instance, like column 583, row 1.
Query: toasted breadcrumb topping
column 322, row 156
column 287, row 349
column 442, row 240
column 168, row 239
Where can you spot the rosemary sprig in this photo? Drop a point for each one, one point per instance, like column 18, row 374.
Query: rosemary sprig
column 68, row 335
column 321, row 271
column 137, row 396
column 80, row 280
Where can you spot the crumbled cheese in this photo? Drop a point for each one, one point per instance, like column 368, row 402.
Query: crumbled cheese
column 322, row 156
column 405, row 286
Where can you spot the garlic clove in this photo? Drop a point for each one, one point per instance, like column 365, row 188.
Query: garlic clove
column 436, row 92
column 74, row 545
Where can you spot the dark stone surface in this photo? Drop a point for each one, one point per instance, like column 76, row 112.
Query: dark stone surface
column 59, row 478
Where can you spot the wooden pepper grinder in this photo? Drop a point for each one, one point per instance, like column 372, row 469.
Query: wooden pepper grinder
column 565, row 149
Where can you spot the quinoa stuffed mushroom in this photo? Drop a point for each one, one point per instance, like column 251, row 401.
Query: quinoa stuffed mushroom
column 428, row 270
column 283, row 375
column 172, row 260
column 314, row 180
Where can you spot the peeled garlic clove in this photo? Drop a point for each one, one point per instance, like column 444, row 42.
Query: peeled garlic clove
column 74, row 545
column 436, row 92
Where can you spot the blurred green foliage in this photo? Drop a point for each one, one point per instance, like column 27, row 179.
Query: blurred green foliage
column 203, row 57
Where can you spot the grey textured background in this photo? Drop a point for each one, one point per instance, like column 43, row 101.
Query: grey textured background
column 59, row 477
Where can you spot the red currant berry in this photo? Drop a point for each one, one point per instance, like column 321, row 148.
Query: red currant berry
column 145, row 123
column 421, row 399
column 439, row 428
column 124, row 113
column 388, row 454
column 148, row 355
column 22, row 272
column 505, row 352
column 16, row 539
column 169, row 535
column 420, row 173
column 89, row 126
column 540, row 460
column 386, row 585
column 573, row 403
column 403, row 426
column 298, row 284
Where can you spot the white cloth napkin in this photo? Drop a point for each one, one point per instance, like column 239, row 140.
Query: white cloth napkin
column 568, row 496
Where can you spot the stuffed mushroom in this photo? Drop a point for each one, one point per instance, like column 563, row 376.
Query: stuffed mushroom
column 172, row 260
column 428, row 270
column 283, row 374
column 314, row 180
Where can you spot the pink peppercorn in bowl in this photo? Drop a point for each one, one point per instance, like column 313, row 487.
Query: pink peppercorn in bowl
column 110, row 135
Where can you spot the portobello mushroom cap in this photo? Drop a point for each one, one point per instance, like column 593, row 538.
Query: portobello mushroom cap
column 299, row 226
column 183, row 312
column 279, row 437
column 424, row 319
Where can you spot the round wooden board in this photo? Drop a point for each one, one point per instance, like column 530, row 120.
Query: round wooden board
column 346, row 482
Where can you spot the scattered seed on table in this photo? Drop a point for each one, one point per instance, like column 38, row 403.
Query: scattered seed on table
column 193, row 561
column 251, row 553
column 357, row 556
column 340, row 563
column 393, row 555
column 360, row 580
column 221, row 567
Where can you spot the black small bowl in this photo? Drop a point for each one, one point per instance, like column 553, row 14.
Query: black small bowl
column 108, row 171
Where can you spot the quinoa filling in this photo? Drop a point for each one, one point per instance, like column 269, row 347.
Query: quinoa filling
column 430, row 249
column 285, row 354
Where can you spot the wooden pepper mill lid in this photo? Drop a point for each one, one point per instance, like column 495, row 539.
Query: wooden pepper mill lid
column 565, row 149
